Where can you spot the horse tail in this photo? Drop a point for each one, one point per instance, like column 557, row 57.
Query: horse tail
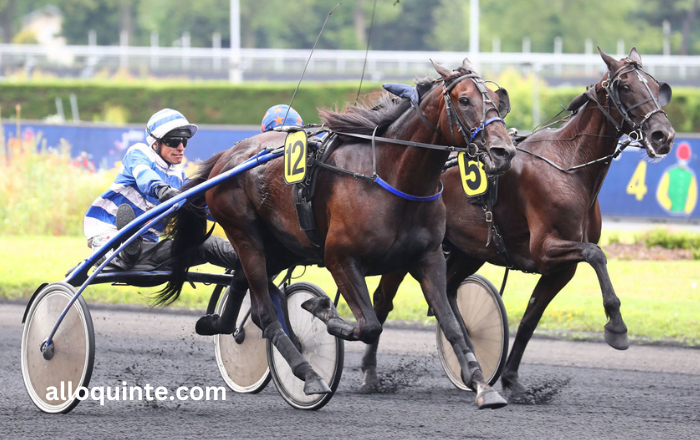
column 187, row 228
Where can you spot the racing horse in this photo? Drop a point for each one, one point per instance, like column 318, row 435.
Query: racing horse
column 548, row 213
column 367, row 228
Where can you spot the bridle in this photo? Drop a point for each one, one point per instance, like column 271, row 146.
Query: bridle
column 611, row 86
column 468, row 134
column 636, row 135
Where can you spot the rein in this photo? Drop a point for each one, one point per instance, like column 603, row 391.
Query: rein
column 469, row 135
column 617, row 152
column 635, row 135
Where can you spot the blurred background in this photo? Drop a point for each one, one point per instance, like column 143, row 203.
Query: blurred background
column 80, row 78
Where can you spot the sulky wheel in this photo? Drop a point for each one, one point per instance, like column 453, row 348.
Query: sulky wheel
column 323, row 351
column 484, row 315
column 49, row 381
column 242, row 357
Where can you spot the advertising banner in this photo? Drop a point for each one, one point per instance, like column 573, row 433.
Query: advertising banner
column 635, row 186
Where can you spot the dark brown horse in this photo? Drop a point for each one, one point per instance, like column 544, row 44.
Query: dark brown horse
column 366, row 230
column 550, row 218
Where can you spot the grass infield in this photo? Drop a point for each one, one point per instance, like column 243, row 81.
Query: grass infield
column 660, row 299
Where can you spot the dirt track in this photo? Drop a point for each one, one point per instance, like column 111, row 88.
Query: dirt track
column 585, row 390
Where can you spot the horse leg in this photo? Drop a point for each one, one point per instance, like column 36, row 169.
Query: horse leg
column 430, row 274
column 225, row 324
column 459, row 267
column 556, row 252
column 351, row 282
column 383, row 305
column 250, row 251
column 546, row 289
column 615, row 328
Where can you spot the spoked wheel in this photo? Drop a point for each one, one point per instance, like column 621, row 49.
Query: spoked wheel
column 53, row 384
column 484, row 316
column 242, row 357
column 323, row 351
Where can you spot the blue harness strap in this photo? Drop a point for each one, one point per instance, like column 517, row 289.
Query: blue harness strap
column 487, row 122
column 403, row 195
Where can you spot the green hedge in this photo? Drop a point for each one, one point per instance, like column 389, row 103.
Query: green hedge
column 202, row 103
column 223, row 103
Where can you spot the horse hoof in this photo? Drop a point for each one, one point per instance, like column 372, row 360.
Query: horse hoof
column 512, row 389
column 618, row 341
column 371, row 383
column 205, row 325
column 314, row 384
column 320, row 307
column 490, row 399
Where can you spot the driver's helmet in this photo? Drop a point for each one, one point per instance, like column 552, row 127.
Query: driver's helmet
column 164, row 122
column 274, row 117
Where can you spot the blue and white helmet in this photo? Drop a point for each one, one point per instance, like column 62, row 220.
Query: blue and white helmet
column 166, row 121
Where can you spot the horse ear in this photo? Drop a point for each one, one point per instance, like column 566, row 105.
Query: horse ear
column 466, row 65
column 665, row 94
column 634, row 56
column 444, row 72
column 611, row 62
column 503, row 102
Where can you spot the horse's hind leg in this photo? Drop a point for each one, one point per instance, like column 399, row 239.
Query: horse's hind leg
column 546, row 289
column 351, row 282
column 383, row 305
column 226, row 323
column 250, row 251
column 430, row 273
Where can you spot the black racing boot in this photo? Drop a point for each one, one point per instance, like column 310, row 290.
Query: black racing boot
column 219, row 252
column 130, row 255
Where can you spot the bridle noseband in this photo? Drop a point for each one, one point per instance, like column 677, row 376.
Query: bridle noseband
column 468, row 134
column 611, row 85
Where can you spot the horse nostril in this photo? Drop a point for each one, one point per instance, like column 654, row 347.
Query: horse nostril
column 658, row 137
column 499, row 153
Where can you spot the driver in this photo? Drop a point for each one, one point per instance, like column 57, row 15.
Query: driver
column 150, row 174
column 275, row 117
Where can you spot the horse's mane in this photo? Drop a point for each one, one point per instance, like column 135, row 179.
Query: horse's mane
column 364, row 118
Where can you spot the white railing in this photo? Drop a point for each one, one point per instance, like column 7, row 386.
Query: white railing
column 85, row 61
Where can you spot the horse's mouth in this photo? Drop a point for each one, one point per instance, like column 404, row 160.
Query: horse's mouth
column 492, row 170
column 651, row 152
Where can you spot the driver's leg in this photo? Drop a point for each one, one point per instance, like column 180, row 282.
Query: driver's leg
column 217, row 251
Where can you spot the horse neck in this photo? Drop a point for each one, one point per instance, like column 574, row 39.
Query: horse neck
column 413, row 170
column 593, row 137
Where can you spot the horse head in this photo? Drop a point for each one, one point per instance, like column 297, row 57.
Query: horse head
column 639, row 99
column 474, row 116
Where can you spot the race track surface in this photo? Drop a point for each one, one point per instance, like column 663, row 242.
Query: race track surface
column 580, row 390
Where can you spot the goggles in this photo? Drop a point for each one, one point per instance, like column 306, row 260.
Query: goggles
column 174, row 142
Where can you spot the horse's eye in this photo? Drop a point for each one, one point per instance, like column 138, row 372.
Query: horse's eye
column 625, row 87
column 464, row 100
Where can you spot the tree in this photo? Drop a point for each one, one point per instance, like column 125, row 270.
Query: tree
column 171, row 18
column 680, row 14
column 602, row 21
